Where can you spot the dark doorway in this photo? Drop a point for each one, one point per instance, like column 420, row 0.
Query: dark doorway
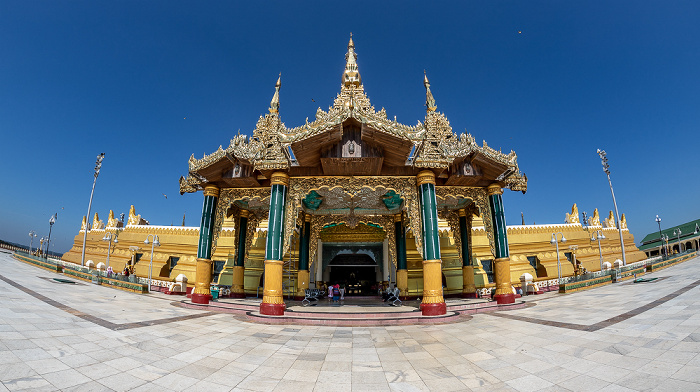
column 356, row 272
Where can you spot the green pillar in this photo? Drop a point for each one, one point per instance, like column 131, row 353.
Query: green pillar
column 240, row 248
column 304, row 245
column 401, row 267
column 201, row 294
column 433, row 302
column 272, row 302
column 303, row 275
column 468, row 284
column 501, row 265
column 237, row 287
column 464, row 236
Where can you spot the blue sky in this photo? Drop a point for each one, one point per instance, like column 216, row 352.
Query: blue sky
column 151, row 82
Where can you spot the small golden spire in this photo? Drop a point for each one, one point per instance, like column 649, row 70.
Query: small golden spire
column 351, row 76
column 429, row 100
column 275, row 103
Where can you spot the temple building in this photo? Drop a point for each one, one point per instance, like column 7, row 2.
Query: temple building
column 356, row 198
column 676, row 239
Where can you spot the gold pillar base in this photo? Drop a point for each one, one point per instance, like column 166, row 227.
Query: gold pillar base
column 433, row 303
column 201, row 293
column 402, row 282
column 468, row 285
column 237, row 286
column 272, row 302
column 302, row 283
column 504, row 292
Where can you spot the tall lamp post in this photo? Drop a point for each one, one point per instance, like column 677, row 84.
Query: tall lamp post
column 52, row 220
column 98, row 166
column 664, row 238
column 32, row 235
column 154, row 242
column 677, row 233
column 606, row 169
column 599, row 236
column 658, row 220
column 108, row 237
column 556, row 243
column 41, row 246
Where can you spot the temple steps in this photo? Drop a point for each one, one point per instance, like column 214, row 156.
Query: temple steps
column 352, row 315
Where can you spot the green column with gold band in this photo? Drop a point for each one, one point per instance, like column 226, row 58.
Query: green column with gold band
column 201, row 294
column 303, row 269
column 501, row 265
column 273, row 303
column 237, row 289
column 468, row 286
column 433, row 302
column 401, row 266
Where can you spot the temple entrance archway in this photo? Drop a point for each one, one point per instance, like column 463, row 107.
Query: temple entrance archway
column 356, row 266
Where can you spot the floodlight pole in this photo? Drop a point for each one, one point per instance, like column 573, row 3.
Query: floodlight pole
column 98, row 165
column 606, row 169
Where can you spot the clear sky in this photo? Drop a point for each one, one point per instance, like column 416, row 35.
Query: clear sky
column 151, row 82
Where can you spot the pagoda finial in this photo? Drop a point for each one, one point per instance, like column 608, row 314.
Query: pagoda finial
column 351, row 76
column 275, row 103
column 429, row 100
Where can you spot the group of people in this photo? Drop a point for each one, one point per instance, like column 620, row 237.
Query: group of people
column 336, row 293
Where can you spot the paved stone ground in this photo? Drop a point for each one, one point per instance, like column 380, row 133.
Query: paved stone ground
column 623, row 337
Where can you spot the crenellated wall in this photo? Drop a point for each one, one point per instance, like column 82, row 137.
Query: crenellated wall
column 524, row 241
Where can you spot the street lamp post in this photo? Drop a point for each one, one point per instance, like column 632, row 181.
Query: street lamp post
column 599, row 236
column 664, row 238
column 658, row 220
column 154, row 242
column 108, row 237
column 98, row 166
column 32, row 235
column 606, row 169
column 52, row 220
column 677, row 233
column 556, row 243
column 41, row 246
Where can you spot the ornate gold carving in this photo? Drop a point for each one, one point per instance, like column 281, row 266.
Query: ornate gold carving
column 432, row 282
column 227, row 197
column 573, row 217
column 202, row 277
column 211, row 190
column 272, row 293
column 431, row 151
column 134, row 219
column 436, row 145
column 480, row 207
column 425, row 177
column 494, row 189
column 502, row 276
column 623, row 222
column 610, row 221
column 190, row 184
column 112, row 222
column 318, row 222
column 361, row 233
column 97, row 223
column 279, row 178
column 299, row 187
column 595, row 219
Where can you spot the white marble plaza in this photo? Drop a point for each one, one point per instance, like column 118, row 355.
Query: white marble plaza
column 82, row 337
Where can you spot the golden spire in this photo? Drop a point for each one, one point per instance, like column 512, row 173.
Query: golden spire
column 275, row 103
column 351, row 76
column 429, row 100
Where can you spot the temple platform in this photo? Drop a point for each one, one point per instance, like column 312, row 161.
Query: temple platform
column 353, row 312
